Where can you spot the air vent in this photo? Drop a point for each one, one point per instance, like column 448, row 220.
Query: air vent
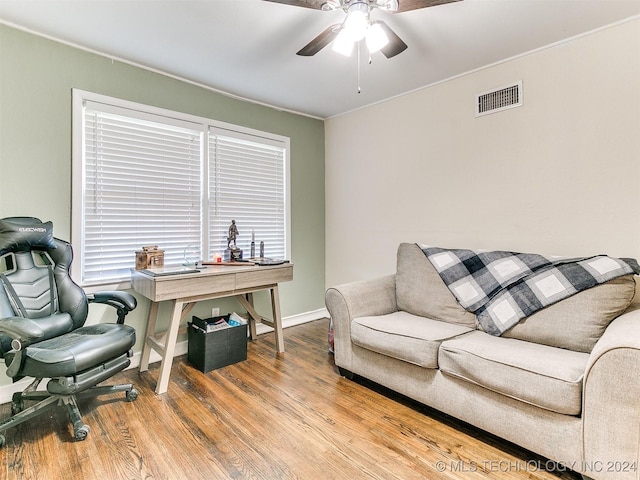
column 499, row 99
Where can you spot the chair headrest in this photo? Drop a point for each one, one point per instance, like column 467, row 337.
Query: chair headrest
column 25, row 233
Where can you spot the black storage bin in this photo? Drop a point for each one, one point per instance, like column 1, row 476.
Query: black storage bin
column 219, row 348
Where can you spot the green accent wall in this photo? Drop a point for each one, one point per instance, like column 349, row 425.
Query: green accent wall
column 36, row 79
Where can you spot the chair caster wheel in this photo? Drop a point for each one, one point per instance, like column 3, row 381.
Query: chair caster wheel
column 81, row 433
column 17, row 406
column 131, row 395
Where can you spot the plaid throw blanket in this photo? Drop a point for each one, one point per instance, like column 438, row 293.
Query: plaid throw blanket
column 502, row 288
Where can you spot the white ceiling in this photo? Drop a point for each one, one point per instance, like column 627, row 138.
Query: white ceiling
column 247, row 47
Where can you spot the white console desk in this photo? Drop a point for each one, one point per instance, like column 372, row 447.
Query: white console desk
column 215, row 281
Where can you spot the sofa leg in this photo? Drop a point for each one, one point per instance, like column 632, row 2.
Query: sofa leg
column 345, row 373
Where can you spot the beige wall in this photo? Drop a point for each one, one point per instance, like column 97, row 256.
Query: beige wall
column 559, row 175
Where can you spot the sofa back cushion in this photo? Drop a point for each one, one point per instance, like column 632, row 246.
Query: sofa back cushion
column 576, row 323
column 420, row 290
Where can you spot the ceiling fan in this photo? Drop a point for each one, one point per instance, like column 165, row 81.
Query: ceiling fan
column 358, row 25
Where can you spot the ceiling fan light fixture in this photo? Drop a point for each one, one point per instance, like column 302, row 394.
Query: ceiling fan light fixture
column 357, row 20
column 376, row 37
column 343, row 44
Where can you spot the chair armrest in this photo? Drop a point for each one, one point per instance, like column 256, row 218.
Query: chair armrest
column 611, row 417
column 357, row 299
column 123, row 302
column 24, row 330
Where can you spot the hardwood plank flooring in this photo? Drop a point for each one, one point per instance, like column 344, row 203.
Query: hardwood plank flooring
column 274, row 416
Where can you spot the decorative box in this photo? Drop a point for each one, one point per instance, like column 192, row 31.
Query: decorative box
column 149, row 257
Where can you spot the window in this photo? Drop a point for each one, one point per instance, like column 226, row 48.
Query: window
column 146, row 176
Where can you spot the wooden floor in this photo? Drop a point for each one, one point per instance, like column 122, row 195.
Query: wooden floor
column 286, row 416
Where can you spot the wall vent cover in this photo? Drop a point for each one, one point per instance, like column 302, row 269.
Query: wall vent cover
column 499, row 99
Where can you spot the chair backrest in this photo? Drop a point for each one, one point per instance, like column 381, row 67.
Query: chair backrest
column 34, row 278
column 29, row 285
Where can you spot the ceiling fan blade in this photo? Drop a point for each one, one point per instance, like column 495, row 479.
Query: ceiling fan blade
column 395, row 45
column 407, row 5
column 321, row 41
column 316, row 4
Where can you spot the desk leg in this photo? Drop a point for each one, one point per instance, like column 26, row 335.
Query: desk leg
column 252, row 319
column 277, row 318
column 151, row 329
column 169, row 348
column 276, row 323
column 247, row 303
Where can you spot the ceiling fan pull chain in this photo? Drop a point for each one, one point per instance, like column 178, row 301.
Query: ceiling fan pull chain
column 358, row 63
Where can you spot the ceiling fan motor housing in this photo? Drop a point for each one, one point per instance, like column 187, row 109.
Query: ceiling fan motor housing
column 388, row 5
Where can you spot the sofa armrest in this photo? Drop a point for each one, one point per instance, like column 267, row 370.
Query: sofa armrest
column 611, row 408
column 357, row 299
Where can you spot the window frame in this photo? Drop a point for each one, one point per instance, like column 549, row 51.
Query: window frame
column 205, row 125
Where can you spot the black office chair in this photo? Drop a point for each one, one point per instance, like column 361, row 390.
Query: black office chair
column 42, row 332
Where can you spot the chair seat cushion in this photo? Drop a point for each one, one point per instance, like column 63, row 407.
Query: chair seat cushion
column 404, row 336
column 544, row 376
column 78, row 350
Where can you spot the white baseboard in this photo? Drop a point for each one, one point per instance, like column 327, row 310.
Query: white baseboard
column 7, row 391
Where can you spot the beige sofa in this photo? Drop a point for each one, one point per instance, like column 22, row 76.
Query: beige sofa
column 564, row 382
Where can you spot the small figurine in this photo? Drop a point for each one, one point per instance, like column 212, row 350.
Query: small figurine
column 233, row 233
column 232, row 253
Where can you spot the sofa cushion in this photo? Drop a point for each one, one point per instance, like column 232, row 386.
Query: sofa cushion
column 544, row 376
column 404, row 336
column 577, row 322
column 420, row 290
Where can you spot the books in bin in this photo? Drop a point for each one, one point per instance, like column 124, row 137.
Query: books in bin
column 218, row 323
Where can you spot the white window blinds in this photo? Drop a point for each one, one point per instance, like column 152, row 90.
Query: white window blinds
column 142, row 187
column 247, row 184
column 147, row 176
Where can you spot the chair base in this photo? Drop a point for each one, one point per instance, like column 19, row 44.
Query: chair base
column 46, row 401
